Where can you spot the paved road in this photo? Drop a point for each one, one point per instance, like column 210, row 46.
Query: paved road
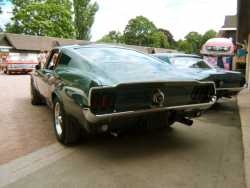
column 23, row 127
column 207, row 155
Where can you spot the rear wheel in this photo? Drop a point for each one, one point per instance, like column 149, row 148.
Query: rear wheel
column 8, row 72
column 67, row 130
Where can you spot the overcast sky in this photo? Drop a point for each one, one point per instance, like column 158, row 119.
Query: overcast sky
column 178, row 16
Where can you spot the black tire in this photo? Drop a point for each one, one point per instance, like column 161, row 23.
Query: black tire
column 71, row 131
column 217, row 99
column 36, row 98
column 8, row 72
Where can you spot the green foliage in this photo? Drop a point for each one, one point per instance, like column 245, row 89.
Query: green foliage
column 169, row 37
column 84, row 17
column 53, row 18
column 159, row 40
column 208, row 35
column 19, row 4
column 112, row 37
column 141, row 31
column 193, row 41
column 183, row 46
column 44, row 18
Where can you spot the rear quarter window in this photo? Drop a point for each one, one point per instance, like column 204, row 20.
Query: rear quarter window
column 64, row 59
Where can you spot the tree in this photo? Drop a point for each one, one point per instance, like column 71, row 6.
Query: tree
column 84, row 17
column 169, row 37
column 159, row 40
column 193, row 41
column 44, row 18
column 191, row 44
column 208, row 35
column 184, row 46
column 112, row 37
column 139, row 31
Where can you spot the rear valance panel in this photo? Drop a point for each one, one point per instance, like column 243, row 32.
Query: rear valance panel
column 140, row 96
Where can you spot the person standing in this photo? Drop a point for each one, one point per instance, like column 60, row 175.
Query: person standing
column 220, row 62
column 42, row 58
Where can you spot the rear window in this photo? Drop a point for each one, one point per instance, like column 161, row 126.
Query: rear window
column 104, row 55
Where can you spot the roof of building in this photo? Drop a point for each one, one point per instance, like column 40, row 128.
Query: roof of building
column 3, row 41
column 37, row 43
column 230, row 22
column 20, row 42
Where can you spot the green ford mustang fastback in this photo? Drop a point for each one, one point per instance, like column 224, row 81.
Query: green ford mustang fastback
column 99, row 88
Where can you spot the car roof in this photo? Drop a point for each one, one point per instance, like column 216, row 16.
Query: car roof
column 94, row 45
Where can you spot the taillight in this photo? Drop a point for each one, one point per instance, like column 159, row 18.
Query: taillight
column 102, row 103
column 242, row 81
column 203, row 93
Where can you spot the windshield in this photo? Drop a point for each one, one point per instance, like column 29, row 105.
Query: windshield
column 105, row 55
column 189, row 62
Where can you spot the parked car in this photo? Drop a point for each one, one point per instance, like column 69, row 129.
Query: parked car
column 228, row 83
column 219, row 52
column 19, row 63
column 103, row 88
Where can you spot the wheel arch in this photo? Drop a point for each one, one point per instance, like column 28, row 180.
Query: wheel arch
column 33, row 82
column 54, row 95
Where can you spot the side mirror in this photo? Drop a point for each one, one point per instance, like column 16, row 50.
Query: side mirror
column 38, row 67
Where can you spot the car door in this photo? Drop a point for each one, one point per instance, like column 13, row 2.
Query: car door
column 45, row 75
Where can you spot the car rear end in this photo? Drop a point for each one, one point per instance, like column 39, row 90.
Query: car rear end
column 20, row 63
column 20, row 67
column 228, row 83
column 154, row 103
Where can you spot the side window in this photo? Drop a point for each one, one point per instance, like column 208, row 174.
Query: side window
column 52, row 60
column 64, row 59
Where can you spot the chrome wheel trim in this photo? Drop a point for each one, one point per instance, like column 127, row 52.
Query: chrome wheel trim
column 58, row 119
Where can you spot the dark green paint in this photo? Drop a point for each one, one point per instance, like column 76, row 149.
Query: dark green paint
column 74, row 76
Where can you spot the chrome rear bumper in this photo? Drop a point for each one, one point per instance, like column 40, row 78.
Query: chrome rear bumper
column 20, row 69
column 231, row 89
column 93, row 118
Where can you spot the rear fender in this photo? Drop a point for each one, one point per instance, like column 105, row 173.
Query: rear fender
column 55, row 94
